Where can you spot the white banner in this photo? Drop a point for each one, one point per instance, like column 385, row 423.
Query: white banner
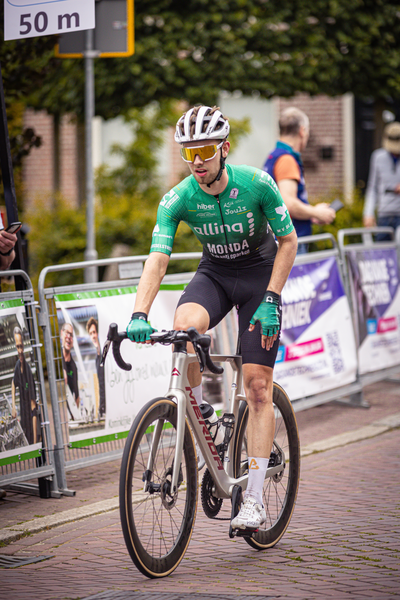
column 33, row 18
column 101, row 402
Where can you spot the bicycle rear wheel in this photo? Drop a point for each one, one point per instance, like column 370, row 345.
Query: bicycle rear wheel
column 157, row 524
column 280, row 491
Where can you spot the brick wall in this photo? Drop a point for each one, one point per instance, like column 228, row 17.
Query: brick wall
column 326, row 131
column 68, row 160
column 38, row 166
column 53, row 166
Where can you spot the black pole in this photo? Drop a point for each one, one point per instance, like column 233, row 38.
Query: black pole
column 8, row 185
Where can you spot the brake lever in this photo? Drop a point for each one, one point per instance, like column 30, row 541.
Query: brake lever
column 105, row 352
column 201, row 356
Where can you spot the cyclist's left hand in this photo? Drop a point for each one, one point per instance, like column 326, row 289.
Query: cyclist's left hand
column 268, row 316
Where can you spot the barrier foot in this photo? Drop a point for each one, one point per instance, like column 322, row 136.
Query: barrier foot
column 67, row 492
column 31, row 489
column 355, row 400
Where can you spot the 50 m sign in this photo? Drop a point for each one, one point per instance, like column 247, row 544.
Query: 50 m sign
column 31, row 18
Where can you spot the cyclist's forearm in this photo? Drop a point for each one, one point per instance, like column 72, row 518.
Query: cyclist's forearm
column 283, row 262
column 149, row 284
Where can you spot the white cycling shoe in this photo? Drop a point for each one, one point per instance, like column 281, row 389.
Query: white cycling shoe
column 250, row 516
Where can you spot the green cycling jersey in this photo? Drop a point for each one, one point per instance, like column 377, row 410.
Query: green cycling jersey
column 233, row 226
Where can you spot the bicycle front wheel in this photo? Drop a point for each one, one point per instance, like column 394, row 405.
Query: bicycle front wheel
column 157, row 523
column 279, row 491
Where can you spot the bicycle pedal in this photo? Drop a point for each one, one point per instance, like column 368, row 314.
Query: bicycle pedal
column 242, row 532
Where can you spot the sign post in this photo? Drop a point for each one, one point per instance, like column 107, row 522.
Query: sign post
column 91, row 273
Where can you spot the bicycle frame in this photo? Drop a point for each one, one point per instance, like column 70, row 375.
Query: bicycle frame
column 181, row 391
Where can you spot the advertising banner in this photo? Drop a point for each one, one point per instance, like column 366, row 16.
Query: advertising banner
column 20, row 411
column 317, row 350
column 103, row 401
column 375, row 295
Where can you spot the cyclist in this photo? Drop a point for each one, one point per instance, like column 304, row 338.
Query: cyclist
column 234, row 211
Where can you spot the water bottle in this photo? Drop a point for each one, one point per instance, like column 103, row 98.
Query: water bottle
column 211, row 420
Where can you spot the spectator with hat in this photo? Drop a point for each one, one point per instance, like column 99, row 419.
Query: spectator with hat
column 383, row 189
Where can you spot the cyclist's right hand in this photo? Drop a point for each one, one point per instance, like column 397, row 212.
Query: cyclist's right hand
column 139, row 329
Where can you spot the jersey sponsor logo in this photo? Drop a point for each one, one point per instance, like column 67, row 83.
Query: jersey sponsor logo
column 281, row 210
column 161, row 246
column 235, row 211
column 230, row 251
column 216, row 229
column 206, row 214
column 283, row 229
column 250, row 219
column 266, row 178
column 156, row 228
column 169, row 199
column 253, row 464
column 234, row 193
column 203, row 206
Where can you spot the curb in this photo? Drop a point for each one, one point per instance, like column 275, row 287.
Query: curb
column 15, row 532
column 349, row 437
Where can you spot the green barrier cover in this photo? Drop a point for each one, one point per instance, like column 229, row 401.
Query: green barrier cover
column 115, row 292
column 20, row 457
column 11, row 303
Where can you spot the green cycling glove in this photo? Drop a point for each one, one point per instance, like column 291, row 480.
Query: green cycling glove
column 268, row 314
column 139, row 329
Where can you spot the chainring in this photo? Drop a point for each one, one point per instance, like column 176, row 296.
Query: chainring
column 211, row 504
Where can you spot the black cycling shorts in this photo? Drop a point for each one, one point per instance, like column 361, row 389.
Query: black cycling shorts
column 218, row 288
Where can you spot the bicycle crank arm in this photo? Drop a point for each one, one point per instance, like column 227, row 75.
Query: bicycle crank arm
column 276, row 470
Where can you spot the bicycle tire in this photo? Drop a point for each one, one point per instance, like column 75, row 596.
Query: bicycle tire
column 157, row 526
column 280, row 491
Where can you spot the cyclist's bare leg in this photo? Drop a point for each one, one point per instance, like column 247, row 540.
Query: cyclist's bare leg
column 258, row 385
column 192, row 315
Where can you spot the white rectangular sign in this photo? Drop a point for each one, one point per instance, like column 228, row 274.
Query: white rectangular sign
column 32, row 18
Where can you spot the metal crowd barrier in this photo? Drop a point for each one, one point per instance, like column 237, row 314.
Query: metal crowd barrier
column 65, row 455
column 70, row 456
column 18, row 466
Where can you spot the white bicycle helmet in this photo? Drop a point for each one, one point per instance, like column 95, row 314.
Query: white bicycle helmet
column 202, row 123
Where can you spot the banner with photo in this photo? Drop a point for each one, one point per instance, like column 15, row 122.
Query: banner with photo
column 317, row 350
column 20, row 406
column 374, row 282
column 103, row 401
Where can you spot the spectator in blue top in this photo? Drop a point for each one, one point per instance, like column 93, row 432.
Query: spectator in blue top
column 284, row 164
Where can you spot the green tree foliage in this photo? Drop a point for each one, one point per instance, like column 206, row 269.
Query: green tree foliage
column 195, row 49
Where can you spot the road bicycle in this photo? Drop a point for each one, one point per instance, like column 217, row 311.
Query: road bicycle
column 159, row 476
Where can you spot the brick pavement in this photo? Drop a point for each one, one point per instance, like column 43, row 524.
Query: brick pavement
column 101, row 482
column 343, row 542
